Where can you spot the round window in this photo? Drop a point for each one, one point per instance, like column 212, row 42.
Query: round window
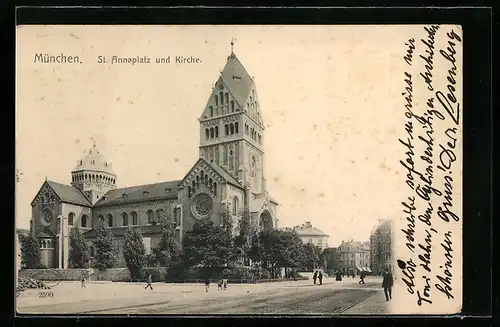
column 46, row 217
column 202, row 205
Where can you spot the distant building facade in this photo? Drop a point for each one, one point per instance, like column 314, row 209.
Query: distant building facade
column 228, row 173
column 381, row 247
column 354, row 257
column 310, row 234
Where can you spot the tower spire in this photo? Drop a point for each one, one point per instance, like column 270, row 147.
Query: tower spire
column 232, row 45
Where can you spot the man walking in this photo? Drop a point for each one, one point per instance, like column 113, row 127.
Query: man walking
column 362, row 278
column 320, row 277
column 150, row 280
column 315, row 276
column 387, row 283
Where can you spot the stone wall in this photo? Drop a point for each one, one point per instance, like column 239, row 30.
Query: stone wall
column 114, row 274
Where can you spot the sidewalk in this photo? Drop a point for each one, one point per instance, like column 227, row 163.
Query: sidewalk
column 375, row 304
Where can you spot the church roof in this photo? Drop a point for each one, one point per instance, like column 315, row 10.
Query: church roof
column 140, row 193
column 46, row 234
column 94, row 161
column 237, row 79
column 224, row 173
column 69, row 194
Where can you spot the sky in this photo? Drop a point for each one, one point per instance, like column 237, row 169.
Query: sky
column 329, row 96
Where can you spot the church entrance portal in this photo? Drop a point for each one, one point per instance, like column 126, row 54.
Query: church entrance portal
column 266, row 221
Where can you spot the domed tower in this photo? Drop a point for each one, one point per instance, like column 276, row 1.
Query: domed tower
column 93, row 175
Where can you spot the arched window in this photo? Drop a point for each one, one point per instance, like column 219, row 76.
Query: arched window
column 216, row 100
column 224, row 155
column 189, row 191
column 231, row 128
column 160, row 215
column 216, row 131
column 134, row 218
column 221, row 98
column 84, row 220
column 47, row 197
column 215, row 188
column 235, row 206
column 71, row 219
column 151, row 217
column 232, row 106
column 236, row 127
column 100, row 219
column 206, row 181
column 231, row 160
column 211, row 132
column 207, row 135
column 226, row 127
column 260, row 139
column 125, row 219
column 197, row 181
column 110, row 220
column 227, row 97
column 211, row 111
column 210, row 184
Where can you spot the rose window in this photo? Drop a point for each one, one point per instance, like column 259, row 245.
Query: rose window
column 47, row 216
column 203, row 205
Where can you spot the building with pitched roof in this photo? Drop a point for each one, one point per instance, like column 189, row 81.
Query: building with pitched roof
column 355, row 257
column 310, row 234
column 228, row 173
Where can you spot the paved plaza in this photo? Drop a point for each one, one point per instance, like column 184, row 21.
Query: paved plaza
column 300, row 297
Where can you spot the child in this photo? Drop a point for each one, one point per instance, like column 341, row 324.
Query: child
column 224, row 282
column 219, row 284
column 83, row 281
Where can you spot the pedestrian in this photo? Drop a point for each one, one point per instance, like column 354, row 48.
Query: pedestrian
column 207, row 284
column 224, row 282
column 320, row 277
column 387, row 283
column 150, row 280
column 83, row 281
column 219, row 284
column 315, row 276
column 362, row 278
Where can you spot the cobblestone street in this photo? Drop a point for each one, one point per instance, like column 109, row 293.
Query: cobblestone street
column 301, row 297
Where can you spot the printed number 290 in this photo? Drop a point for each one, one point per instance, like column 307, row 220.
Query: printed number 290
column 45, row 294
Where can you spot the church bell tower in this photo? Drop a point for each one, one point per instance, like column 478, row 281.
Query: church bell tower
column 231, row 126
column 93, row 175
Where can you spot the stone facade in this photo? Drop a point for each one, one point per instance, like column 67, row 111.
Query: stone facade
column 381, row 247
column 228, row 174
column 355, row 257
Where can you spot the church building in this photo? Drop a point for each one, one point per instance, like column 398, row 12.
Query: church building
column 228, row 173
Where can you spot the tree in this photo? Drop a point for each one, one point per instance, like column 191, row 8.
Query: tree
column 78, row 249
column 106, row 248
column 332, row 258
column 207, row 245
column 311, row 257
column 168, row 250
column 30, row 252
column 134, row 252
column 242, row 241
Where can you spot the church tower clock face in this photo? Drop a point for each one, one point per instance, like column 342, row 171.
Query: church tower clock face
column 46, row 217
